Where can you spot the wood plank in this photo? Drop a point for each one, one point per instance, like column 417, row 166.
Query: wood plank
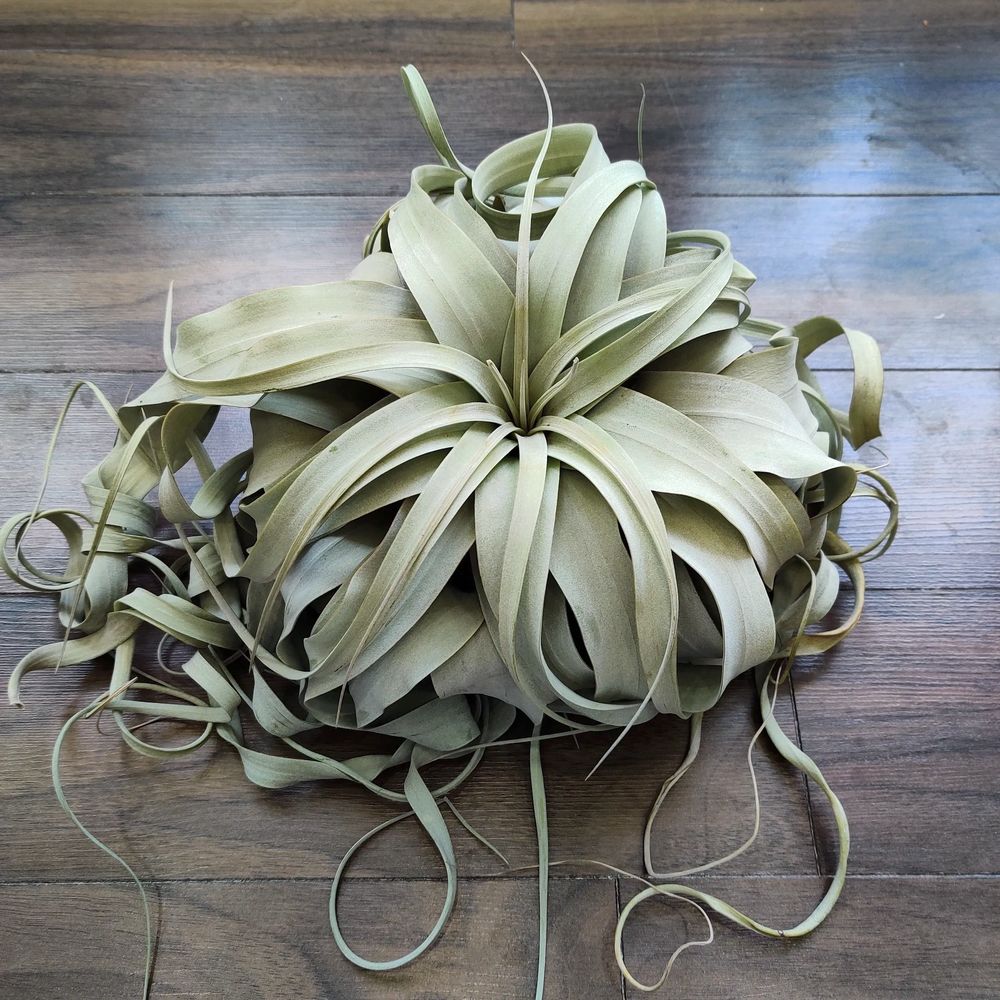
column 877, row 264
column 907, row 28
column 215, row 941
column 199, row 817
column 908, row 733
column 619, row 25
column 86, row 278
column 805, row 122
column 887, row 938
column 271, row 939
column 331, row 27
column 933, row 421
column 942, row 441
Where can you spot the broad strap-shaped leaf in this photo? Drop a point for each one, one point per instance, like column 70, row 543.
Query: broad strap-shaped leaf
column 449, row 623
column 753, row 424
column 444, row 495
column 601, row 269
column 648, row 245
column 283, row 322
column 698, row 639
column 496, row 526
column 441, row 265
column 324, row 566
column 476, row 668
column 643, row 302
column 560, row 645
column 774, row 369
column 378, row 266
column 678, row 456
column 593, row 569
column 711, row 353
column 557, row 258
column 614, row 364
column 716, row 551
column 586, row 447
column 459, row 209
column 328, row 476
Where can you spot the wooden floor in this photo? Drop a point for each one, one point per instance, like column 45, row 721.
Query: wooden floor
column 851, row 149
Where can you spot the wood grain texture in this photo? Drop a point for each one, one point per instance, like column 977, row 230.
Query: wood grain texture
column 258, row 940
column 85, row 279
column 906, row 28
column 171, row 122
column 334, row 27
column 200, row 818
column 907, row 732
column 619, row 26
column 941, row 451
column 888, row 938
column 934, row 422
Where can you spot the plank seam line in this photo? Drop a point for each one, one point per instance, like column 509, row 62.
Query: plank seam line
column 73, row 373
column 127, row 193
column 804, row 777
column 20, row 595
column 524, row 879
column 618, row 913
column 985, row 590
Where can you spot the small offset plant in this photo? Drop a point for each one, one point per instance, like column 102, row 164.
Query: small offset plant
column 534, row 456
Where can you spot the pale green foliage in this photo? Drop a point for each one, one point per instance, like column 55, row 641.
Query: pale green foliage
column 532, row 455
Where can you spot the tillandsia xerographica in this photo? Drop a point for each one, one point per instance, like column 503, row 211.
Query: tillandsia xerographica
column 533, row 456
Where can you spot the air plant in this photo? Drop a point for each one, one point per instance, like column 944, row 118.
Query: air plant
column 534, row 456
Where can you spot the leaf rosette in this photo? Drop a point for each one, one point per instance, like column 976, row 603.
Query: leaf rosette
column 533, row 454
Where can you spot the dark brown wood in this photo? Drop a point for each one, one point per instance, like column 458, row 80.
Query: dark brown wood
column 941, row 451
column 620, row 26
column 334, row 28
column 86, row 279
column 900, row 938
column 906, row 28
column 804, row 123
column 272, row 939
column 903, row 720
column 935, row 423
column 894, row 938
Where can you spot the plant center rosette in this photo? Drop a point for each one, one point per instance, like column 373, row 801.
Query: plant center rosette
column 533, row 456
